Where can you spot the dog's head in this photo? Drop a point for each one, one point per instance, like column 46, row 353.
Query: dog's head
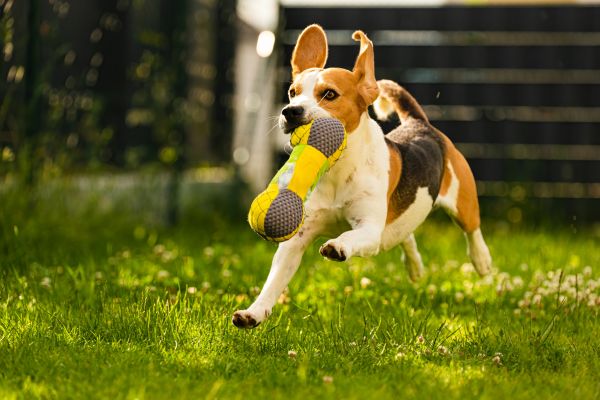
column 332, row 92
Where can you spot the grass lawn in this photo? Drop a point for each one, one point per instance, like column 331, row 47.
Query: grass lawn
column 104, row 308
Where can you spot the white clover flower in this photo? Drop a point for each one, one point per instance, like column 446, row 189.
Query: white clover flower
column 208, row 251
column 591, row 300
column 328, row 379
column 499, row 289
column 365, row 282
column 562, row 299
column 292, row 354
column 523, row 303
column 468, row 288
column 518, row 282
column 553, row 287
column 467, row 268
column 284, row 298
column 524, row 267
column 459, row 297
column 46, row 282
column 162, row 275
column 503, row 276
column 431, row 289
column 167, row 256
column 538, row 276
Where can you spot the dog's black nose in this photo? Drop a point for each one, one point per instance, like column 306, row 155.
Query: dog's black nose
column 293, row 113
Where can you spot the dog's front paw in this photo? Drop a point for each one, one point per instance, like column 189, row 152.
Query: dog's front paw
column 247, row 319
column 334, row 250
column 244, row 319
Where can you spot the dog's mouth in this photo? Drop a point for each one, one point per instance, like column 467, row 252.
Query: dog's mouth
column 288, row 126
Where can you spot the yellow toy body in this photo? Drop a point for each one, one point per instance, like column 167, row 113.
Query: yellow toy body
column 277, row 213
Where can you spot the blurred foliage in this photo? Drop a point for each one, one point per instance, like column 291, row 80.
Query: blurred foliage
column 100, row 84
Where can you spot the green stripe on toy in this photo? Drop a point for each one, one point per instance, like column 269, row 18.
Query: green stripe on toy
column 277, row 213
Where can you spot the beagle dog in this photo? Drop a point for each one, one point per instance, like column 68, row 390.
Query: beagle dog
column 383, row 187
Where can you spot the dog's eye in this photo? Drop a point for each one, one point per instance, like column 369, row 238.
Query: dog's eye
column 292, row 93
column 330, row 94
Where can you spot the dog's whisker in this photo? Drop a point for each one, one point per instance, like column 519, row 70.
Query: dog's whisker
column 271, row 130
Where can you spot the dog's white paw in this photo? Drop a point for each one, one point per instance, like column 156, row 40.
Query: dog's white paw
column 479, row 253
column 414, row 267
column 482, row 261
column 246, row 319
column 335, row 250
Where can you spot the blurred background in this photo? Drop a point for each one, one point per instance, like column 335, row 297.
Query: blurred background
column 167, row 108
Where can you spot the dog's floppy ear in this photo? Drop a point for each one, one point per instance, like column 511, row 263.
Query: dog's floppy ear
column 364, row 69
column 310, row 50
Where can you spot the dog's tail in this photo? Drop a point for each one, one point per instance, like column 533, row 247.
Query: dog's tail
column 393, row 97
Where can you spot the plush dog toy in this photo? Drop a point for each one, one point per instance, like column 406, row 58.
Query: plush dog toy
column 278, row 212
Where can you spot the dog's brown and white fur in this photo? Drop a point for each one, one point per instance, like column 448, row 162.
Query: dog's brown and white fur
column 384, row 186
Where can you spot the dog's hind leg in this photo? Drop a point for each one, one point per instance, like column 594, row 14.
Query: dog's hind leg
column 478, row 252
column 458, row 197
column 412, row 258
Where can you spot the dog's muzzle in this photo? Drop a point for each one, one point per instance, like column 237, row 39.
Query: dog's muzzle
column 293, row 117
